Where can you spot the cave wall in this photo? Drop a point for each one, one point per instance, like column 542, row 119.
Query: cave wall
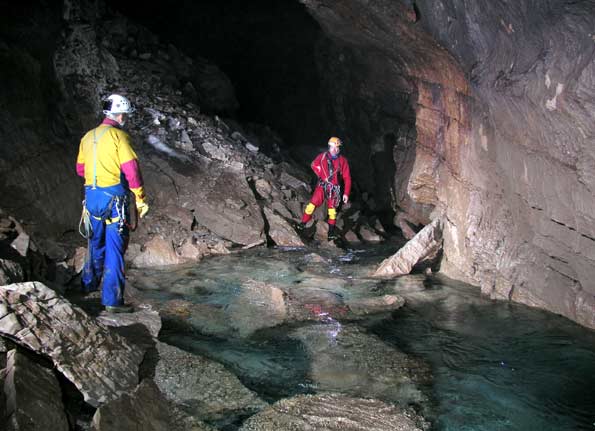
column 500, row 145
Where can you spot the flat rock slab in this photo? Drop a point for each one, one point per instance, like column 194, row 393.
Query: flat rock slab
column 332, row 412
column 146, row 317
column 32, row 395
column 426, row 243
column 144, row 409
column 101, row 364
column 202, row 387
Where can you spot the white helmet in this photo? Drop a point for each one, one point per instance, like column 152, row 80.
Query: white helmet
column 116, row 104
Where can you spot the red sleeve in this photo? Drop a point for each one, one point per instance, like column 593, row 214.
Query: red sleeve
column 316, row 166
column 132, row 173
column 346, row 176
column 80, row 169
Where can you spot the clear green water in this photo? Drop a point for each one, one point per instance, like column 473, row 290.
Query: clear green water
column 494, row 365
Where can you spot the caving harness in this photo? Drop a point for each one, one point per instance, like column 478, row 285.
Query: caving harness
column 107, row 202
column 332, row 192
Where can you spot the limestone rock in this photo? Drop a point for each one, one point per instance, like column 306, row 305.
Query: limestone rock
column 363, row 306
column 369, row 367
column 240, row 225
column 157, row 252
column 202, row 387
column 321, row 231
column 101, row 365
column 21, row 244
column 369, row 235
column 281, row 231
column 10, row 272
column 424, row 244
column 145, row 317
column 77, row 261
column 351, row 237
column 144, row 409
column 263, row 188
column 193, row 251
column 259, row 305
column 33, row 396
column 332, row 412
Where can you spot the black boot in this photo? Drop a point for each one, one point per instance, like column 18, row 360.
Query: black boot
column 332, row 233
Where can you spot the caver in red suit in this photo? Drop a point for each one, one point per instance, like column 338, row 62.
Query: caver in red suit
column 328, row 167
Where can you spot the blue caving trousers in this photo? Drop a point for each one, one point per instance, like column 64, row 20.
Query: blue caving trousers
column 107, row 246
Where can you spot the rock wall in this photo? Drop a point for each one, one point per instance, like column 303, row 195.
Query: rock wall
column 487, row 109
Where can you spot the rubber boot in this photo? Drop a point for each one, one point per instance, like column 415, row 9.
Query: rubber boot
column 332, row 232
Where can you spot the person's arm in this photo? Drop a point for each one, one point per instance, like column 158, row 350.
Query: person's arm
column 131, row 170
column 316, row 166
column 80, row 162
column 346, row 179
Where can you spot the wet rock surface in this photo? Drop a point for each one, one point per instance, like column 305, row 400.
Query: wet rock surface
column 201, row 387
column 345, row 359
column 424, row 246
column 332, row 412
column 144, row 408
column 102, row 365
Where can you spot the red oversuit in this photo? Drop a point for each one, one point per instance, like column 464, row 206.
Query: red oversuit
column 328, row 171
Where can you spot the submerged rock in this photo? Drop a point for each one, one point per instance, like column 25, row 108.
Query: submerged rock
column 202, row 387
column 259, row 305
column 424, row 245
column 333, row 412
column 345, row 359
column 144, row 409
column 102, row 365
column 33, row 396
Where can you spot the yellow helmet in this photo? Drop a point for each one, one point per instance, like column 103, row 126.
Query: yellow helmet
column 335, row 141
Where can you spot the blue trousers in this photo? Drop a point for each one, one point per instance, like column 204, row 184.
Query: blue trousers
column 107, row 246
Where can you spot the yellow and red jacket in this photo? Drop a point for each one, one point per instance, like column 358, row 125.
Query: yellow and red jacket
column 328, row 170
column 113, row 158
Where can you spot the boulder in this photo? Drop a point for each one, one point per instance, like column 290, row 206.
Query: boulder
column 21, row 244
column 193, row 251
column 144, row 409
column 157, row 252
column 426, row 243
column 321, row 231
column 263, row 188
column 32, row 395
column 101, row 364
column 332, row 412
column 351, row 237
column 259, row 305
column 280, row 231
column 77, row 261
column 369, row 235
column 242, row 225
column 202, row 387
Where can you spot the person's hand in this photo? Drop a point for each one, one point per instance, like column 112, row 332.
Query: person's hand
column 142, row 209
column 345, row 199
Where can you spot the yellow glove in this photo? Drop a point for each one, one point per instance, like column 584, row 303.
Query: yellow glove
column 142, row 209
